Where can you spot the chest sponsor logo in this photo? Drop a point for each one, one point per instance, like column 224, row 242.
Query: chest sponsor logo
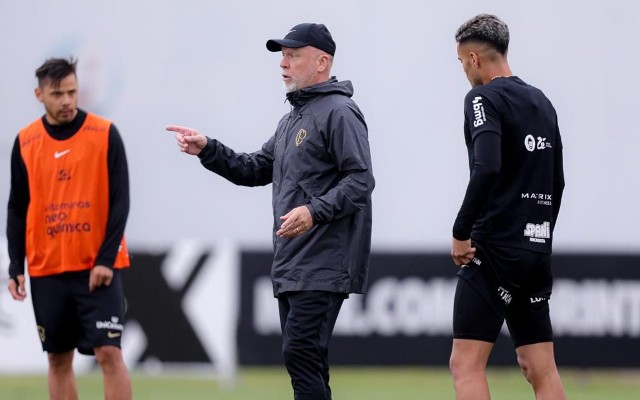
column 62, row 153
column 542, row 199
column 538, row 233
column 478, row 112
column 300, row 136
column 65, row 218
column 532, row 143
column 94, row 128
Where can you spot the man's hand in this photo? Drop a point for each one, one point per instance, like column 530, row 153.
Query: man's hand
column 189, row 140
column 17, row 289
column 99, row 276
column 462, row 252
column 295, row 222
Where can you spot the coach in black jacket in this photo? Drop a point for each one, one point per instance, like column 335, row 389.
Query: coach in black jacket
column 320, row 166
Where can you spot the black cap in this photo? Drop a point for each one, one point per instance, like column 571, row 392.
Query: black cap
column 316, row 35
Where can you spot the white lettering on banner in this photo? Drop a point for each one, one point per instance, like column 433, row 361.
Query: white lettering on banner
column 410, row 306
column 266, row 318
column 413, row 306
column 596, row 308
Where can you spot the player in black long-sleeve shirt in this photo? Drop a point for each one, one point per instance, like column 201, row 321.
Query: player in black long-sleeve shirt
column 67, row 212
column 502, row 236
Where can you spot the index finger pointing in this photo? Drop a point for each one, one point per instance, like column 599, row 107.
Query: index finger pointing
column 179, row 129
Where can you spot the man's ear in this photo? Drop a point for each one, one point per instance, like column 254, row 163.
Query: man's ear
column 475, row 59
column 323, row 63
column 39, row 94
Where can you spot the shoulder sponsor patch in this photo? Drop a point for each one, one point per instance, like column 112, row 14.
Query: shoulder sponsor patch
column 478, row 112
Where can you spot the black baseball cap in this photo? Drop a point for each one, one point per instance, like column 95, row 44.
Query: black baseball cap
column 316, row 35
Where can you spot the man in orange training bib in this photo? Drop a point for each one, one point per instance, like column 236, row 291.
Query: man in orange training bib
column 67, row 213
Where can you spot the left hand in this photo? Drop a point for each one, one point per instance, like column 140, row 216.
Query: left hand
column 462, row 252
column 100, row 276
column 17, row 288
column 295, row 223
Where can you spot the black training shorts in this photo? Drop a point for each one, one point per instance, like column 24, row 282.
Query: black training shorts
column 501, row 284
column 69, row 316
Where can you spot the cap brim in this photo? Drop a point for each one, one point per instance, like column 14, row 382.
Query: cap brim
column 278, row 44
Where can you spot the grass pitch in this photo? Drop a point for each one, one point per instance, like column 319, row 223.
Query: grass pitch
column 348, row 384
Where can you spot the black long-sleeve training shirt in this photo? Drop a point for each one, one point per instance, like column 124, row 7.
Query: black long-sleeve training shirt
column 515, row 158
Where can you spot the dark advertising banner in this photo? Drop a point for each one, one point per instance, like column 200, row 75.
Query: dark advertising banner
column 203, row 306
column 405, row 318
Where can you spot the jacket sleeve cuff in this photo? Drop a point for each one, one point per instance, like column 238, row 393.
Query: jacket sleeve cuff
column 314, row 215
column 206, row 152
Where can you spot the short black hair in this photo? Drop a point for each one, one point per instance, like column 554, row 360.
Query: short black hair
column 54, row 70
column 485, row 28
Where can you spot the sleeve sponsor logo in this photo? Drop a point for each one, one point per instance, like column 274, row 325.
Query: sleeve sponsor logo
column 478, row 112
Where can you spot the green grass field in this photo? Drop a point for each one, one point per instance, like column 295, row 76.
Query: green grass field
column 348, row 384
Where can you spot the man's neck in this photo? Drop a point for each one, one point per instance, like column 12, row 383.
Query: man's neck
column 496, row 73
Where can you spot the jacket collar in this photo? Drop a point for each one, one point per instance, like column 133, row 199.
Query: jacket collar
column 330, row 86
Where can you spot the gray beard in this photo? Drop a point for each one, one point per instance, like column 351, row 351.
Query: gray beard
column 290, row 88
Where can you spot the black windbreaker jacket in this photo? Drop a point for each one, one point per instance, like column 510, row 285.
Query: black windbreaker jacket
column 319, row 157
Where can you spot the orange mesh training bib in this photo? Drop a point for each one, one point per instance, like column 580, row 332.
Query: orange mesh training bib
column 69, row 190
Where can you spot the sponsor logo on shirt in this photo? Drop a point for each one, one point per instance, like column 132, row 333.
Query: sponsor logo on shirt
column 478, row 112
column 543, row 199
column 93, row 128
column 59, row 217
column 531, row 144
column 504, row 295
column 59, row 154
column 538, row 232
column 112, row 325
column 31, row 139
column 534, row 300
